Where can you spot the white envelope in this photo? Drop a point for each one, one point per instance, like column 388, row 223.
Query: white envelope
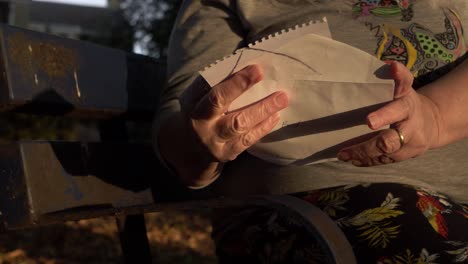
column 332, row 87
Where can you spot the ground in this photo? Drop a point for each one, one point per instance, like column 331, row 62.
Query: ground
column 176, row 237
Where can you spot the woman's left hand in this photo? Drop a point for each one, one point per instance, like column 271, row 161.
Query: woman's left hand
column 414, row 126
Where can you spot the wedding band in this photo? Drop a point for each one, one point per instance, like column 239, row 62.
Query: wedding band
column 400, row 135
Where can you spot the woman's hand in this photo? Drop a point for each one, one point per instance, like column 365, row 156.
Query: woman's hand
column 414, row 126
column 227, row 134
column 208, row 134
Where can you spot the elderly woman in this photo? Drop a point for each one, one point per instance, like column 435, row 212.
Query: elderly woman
column 408, row 209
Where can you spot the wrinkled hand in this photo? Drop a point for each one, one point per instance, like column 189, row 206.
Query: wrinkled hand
column 412, row 114
column 224, row 135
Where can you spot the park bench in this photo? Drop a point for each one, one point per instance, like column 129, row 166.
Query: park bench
column 44, row 182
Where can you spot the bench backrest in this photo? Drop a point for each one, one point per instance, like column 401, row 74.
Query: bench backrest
column 44, row 181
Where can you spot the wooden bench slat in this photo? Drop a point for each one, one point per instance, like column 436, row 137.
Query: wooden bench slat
column 45, row 178
column 47, row 182
column 43, row 73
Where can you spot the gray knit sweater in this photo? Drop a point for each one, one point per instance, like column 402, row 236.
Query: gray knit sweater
column 424, row 35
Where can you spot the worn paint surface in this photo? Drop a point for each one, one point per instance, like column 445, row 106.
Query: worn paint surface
column 50, row 58
column 72, row 188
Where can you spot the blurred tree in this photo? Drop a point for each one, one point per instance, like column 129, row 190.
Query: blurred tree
column 120, row 32
column 152, row 21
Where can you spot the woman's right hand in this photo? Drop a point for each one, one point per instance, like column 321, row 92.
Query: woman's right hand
column 208, row 135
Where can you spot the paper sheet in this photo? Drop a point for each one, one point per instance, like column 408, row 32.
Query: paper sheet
column 331, row 85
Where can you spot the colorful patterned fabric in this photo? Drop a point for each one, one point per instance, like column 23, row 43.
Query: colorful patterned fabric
column 384, row 222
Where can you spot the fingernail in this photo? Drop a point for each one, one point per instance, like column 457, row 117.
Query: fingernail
column 396, row 64
column 394, row 68
column 344, row 156
column 255, row 73
column 281, row 100
column 373, row 121
column 356, row 163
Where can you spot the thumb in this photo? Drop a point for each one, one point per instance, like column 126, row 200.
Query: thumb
column 403, row 79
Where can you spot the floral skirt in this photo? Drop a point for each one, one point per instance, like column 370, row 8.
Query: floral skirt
column 383, row 222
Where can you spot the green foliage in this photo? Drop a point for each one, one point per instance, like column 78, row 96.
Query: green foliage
column 374, row 224
column 379, row 234
column 152, row 21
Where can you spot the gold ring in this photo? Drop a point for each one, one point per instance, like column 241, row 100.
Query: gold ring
column 400, row 135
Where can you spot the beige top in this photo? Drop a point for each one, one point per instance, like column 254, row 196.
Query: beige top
column 424, row 35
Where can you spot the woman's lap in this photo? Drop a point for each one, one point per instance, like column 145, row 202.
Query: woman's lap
column 384, row 222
